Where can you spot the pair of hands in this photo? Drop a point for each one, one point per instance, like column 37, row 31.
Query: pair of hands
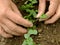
column 10, row 16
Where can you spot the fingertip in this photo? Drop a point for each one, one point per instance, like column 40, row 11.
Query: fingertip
column 49, row 22
column 7, row 36
column 38, row 15
column 53, row 19
column 24, row 31
column 30, row 24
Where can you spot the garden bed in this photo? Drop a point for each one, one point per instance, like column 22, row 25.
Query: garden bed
column 47, row 34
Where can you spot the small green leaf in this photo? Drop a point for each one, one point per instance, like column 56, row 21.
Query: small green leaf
column 43, row 16
column 24, row 43
column 32, row 32
column 27, row 35
column 28, row 8
column 30, row 39
column 31, row 43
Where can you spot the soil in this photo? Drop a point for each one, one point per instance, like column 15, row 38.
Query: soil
column 48, row 34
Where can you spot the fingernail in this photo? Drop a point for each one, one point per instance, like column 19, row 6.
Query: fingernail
column 9, row 36
column 31, row 24
column 41, row 20
column 37, row 16
column 25, row 31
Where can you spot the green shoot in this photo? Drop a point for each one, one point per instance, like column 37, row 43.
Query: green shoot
column 29, row 8
column 43, row 16
column 31, row 17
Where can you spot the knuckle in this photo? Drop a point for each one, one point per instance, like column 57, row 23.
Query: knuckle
column 1, row 19
column 14, row 28
column 3, row 11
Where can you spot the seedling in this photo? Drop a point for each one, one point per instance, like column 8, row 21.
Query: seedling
column 28, row 7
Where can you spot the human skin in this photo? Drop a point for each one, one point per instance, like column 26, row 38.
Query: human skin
column 53, row 12
column 9, row 17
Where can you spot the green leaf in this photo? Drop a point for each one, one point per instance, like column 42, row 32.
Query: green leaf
column 28, row 7
column 26, row 36
column 43, row 16
column 30, row 39
column 33, row 1
column 31, row 43
column 24, row 43
column 32, row 32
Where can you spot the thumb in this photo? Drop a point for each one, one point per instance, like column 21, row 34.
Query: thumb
column 41, row 8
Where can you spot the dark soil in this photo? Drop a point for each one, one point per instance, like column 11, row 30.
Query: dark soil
column 48, row 34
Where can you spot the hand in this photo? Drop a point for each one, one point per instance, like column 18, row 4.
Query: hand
column 9, row 17
column 53, row 12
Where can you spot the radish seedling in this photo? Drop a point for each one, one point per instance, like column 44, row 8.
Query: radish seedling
column 29, row 8
column 31, row 17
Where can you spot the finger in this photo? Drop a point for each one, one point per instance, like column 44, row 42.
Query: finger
column 48, row 0
column 4, row 34
column 52, row 8
column 42, row 6
column 18, row 19
column 13, row 27
column 15, row 9
column 42, row 19
column 55, row 17
column 9, row 31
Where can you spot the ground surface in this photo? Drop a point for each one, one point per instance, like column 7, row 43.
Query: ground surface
column 48, row 34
